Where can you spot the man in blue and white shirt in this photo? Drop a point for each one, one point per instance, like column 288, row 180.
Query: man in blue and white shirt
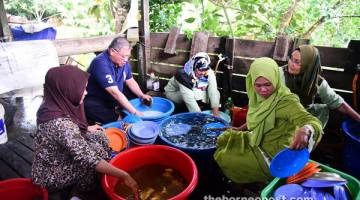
column 109, row 72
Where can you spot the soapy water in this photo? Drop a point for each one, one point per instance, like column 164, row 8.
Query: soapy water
column 190, row 132
column 152, row 113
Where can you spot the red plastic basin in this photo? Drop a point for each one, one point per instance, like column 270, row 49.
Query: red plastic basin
column 21, row 188
column 153, row 154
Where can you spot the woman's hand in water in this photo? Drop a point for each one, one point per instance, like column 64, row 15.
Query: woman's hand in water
column 131, row 183
column 146, row 97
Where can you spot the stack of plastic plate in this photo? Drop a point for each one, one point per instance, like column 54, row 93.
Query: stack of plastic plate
column 310, row 169
column 143, row 133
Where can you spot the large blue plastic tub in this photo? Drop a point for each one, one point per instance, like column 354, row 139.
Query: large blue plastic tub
column 162, row 106
column 192, row 125
column 179, row 126
column 46, row 34
column 352, row 147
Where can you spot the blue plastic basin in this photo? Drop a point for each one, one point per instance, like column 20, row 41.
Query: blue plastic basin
column 116, row 124
column 19, row 34
column 352, row 147
column 162, row 106
column 183, row 125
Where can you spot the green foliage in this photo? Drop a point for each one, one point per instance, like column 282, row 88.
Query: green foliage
column 32, row 9
column 250, row 19
column 163, row 16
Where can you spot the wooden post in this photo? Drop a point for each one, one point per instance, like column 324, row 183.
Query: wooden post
column 141, row 62
column 281, row 48
column 5, row 33
column 297, row 42
column 171, row 41
column 354, row 61
column 228, row 69
column 354, row 47
column 145, row 42
column 199, row 43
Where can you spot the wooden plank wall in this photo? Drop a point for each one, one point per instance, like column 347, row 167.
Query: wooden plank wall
column 338, row 65
column 336, row 61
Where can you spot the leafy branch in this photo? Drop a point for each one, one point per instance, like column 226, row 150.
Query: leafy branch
column 319, row 22
column 222, row 5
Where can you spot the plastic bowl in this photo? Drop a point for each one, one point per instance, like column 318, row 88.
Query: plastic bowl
column 21, row 188
column 153, row 154
column 163, row 106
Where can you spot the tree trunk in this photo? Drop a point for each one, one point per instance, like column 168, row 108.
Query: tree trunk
column 119, row 11
column 286, row 19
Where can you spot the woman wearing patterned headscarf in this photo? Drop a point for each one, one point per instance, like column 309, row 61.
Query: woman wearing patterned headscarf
column 302, row 76
column 275, row 119
column 194, row 83
column 68, row 152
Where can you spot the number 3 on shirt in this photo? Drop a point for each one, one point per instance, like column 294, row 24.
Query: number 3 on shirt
column 109, row 78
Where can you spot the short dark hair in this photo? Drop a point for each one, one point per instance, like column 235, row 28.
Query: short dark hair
column 119, row 42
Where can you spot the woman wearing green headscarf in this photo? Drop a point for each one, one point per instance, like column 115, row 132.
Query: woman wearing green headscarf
column 275, row 120
column 302, row 76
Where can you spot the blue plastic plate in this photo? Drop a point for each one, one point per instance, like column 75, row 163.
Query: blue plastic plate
column 145, row 129
column 306, row 192
column 178, row 129
column 288, row 162
column 340, row 192
column 214, row 125
column 288, row 191
column 321, row 183
column 209, row 126
column 317, row 193
column 139, row 141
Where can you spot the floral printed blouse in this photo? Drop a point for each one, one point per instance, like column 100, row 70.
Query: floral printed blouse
column 64, row 156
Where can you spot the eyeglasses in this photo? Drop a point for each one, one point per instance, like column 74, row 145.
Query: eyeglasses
column 120, row 54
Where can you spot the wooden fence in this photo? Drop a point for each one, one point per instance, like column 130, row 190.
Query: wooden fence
column 339, row 64
column 339, row 68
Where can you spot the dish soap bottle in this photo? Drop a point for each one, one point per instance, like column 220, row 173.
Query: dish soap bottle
column 155, row 82
column 229, row 104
